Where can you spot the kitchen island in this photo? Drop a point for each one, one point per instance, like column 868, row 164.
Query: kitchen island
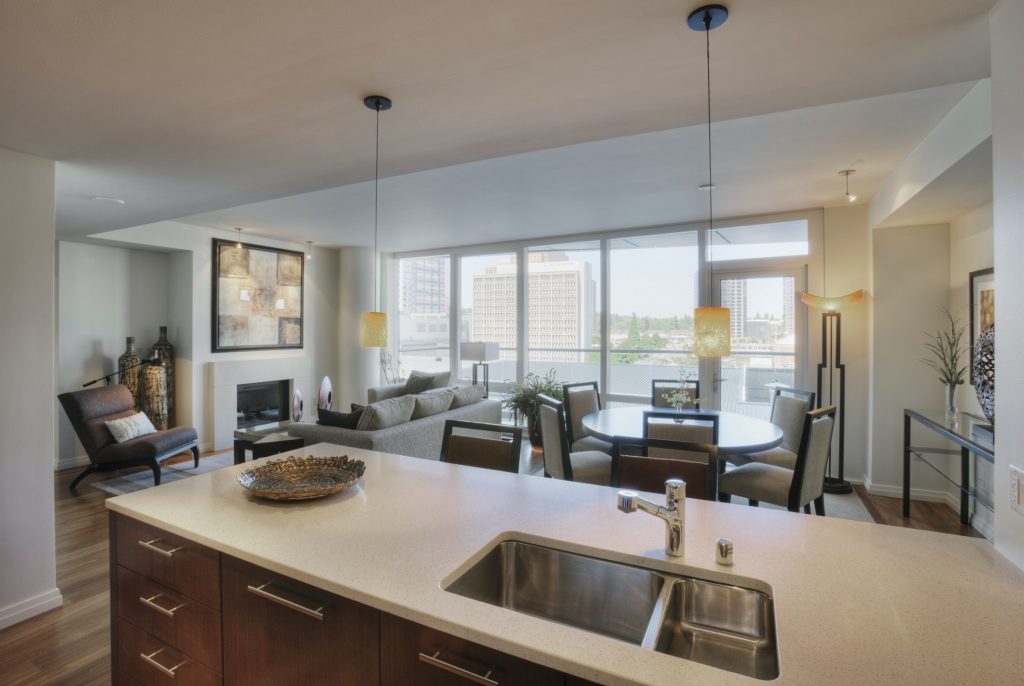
column 855, row 603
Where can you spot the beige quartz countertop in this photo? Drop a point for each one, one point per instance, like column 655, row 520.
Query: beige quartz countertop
column 855, row 603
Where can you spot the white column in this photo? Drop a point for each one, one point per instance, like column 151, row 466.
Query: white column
column 358, row 367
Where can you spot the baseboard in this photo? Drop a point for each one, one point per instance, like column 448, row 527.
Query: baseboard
column 30, row 607
column 891, row 491
column 80, row 461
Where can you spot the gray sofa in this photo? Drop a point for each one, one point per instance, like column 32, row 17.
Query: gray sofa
column 418, row 437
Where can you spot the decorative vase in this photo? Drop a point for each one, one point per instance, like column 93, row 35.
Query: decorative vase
column 129, row 371
column 154, row 392
column 983, row 367
column 951, row 401
column 163, row 350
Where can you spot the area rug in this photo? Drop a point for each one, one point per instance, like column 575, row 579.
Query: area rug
column 848, row 506
column 142, row 479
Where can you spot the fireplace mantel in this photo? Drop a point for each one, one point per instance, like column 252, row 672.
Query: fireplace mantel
column 224, row 378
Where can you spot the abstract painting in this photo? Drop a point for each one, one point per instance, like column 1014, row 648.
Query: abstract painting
column 257, row 297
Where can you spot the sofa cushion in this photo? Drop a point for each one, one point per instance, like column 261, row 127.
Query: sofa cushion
column 345, row 420
column 150, row 446
column 467, row 395
column 418, row 382
column 385, row 413
column 432, row 402
column 132, row 426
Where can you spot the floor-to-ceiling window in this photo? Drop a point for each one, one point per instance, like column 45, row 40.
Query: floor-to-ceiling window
column 563, row 315
column 653, row 289
column 488, row 310
column 424, row 301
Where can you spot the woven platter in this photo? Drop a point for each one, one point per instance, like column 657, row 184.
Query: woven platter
column 302, row 478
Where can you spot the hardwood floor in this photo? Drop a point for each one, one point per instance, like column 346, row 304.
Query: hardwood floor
column 71, row 644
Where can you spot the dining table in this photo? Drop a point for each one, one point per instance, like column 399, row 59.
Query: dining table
column 738, row 434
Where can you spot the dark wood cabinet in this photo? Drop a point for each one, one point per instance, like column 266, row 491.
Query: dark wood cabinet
column 278, row 631
column 185, row 614
column 415, row 654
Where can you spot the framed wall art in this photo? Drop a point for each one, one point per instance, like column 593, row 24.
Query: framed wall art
column 257, row 297
column 983, row 305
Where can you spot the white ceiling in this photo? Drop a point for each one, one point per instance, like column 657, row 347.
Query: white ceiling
column 190, row 106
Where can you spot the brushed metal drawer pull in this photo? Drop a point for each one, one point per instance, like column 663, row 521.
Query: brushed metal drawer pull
column 148, row 602
column 315, row 613
column 169, row 671
column 435, row 661
column 148, row 545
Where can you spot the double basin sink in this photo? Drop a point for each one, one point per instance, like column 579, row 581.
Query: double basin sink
column 717, row 624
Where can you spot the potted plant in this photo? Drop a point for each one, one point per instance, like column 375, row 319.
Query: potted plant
column 522, row 399
column 948, row 350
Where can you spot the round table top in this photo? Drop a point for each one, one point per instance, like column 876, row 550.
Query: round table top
column 737, row 433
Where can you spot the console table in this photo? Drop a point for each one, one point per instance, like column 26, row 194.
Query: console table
column 962, row 429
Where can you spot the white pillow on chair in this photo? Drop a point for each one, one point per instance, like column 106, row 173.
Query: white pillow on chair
column 132, row 426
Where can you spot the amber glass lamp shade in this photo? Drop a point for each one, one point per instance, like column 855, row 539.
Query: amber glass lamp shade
column 373, row 330
column 711, row 332
column 833, row 303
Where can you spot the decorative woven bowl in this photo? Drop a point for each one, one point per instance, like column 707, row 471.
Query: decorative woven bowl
column 302, row 478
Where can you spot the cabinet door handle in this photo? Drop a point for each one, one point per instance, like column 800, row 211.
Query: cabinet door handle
column 435, row 661
column 316, row 611
column 166, row 552
column 151, row 659
column 150, row 602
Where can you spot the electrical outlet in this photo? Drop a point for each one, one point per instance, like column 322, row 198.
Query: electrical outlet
column 1017, row 489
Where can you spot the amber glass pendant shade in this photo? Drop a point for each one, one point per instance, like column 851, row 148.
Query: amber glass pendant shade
column 373, row 330
column 711, row 332
column 833, row 303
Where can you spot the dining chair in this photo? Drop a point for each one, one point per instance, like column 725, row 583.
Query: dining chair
column 478, row 449
column 587, row 466
column 789, row 488
column 662, row 388
column 580, row 400
column 789, row 406
column 694, row 463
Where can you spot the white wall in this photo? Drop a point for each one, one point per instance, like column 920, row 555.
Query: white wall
column 28, row 580
column 910, row 290
column 104, row 294
column 1006, row 20
column 359, row 367
column 320, row 305
column 970, row 249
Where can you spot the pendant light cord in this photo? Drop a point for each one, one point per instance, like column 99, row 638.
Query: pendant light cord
column 711, row 183
column 376, row 213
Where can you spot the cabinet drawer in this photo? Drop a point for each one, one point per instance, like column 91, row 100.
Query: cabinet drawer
column 278, row 631
column 175, row 619
column 180, row 565
column 149, row 661
column 414, row 654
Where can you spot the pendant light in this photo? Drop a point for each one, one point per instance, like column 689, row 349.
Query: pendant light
column 239, row 244
column 711, row 329
column 309, row 250
column 846, row 173
column 373, row 326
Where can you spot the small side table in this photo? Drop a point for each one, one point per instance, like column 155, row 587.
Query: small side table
column 264, row 445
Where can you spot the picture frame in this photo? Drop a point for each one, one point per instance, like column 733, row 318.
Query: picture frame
column 982, row 306
column 258, row 297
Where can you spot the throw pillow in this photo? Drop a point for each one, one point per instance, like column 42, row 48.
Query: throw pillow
column 419, row 382
column 132, row 426
column 467, row 395
column 431, row 403
column 385, row 413
column 344, row 420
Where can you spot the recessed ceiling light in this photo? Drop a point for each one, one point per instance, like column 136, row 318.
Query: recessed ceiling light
column 107, row 198
column 706, row 187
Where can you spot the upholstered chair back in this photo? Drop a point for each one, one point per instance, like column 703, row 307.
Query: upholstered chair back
column 89, row 409
column 553, row 439
column 580, row 401
column 814, row 455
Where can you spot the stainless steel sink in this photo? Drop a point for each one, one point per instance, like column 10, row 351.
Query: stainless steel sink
column 721, row 625
column 595, row 595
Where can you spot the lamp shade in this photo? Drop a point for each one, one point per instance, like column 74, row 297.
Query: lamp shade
column 711, row 332
column 479, row 352
column 373, row 330
column 831, row 304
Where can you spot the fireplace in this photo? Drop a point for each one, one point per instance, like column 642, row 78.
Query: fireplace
column 263, row 405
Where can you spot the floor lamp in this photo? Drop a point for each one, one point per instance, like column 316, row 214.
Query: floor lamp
column 480, row 354
column 831, row 366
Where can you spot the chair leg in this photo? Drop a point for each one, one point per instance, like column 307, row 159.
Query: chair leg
column 753, row 503
column 86, row 472
column 807, row 508
column 819, row 506
column 156, row 472
column 195, row 454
